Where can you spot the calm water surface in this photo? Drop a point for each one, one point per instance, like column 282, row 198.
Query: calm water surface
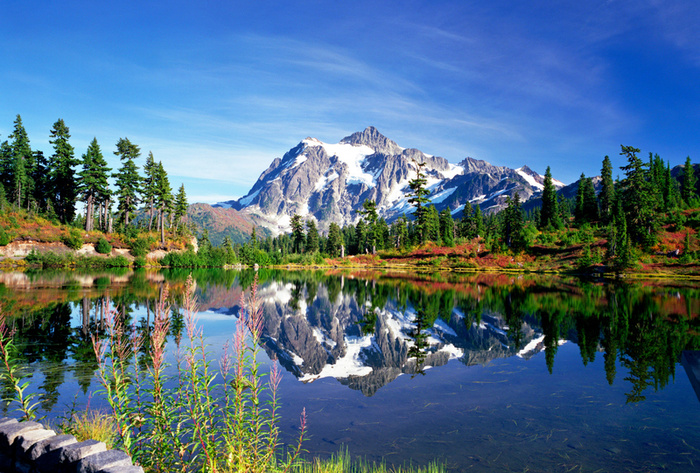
column 482, row 372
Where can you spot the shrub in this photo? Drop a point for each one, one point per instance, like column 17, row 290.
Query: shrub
column 50, row 259
column 4, row 237
column 118, row 262
column 74, row 239
column 103, row 246
column 139, row 247
column 185, row 259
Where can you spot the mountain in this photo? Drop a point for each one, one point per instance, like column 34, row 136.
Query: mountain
column 331, row 181
column 221, row 222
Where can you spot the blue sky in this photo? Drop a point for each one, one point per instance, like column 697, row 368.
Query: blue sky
column 218, row 89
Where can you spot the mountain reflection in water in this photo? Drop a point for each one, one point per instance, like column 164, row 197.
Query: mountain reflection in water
column 365, row 330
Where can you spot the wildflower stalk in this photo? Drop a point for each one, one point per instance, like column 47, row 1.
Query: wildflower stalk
column 13, row 374
column 196, row 419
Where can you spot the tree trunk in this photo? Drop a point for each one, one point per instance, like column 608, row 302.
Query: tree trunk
column 99, row 216
column 162, row 227
column 151, row 212
column 89, row 224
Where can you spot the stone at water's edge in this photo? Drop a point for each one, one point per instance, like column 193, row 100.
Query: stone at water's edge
column 691, row 363
column 27, row 446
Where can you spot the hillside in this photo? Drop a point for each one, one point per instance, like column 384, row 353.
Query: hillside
column 221, row 222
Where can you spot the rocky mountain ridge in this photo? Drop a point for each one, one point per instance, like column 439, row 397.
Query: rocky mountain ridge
column 329, row 182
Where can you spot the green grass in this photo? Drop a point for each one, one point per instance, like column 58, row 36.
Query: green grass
column 343, row 463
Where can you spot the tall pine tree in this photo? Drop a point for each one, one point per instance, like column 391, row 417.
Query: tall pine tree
column 20, row 164
column 335, row 240
column 688, row 184
column 606, row 197
column 180, row 206
column 549, row 215
column 312, row 238
column 298, row 237
column 92, row 182
column 150, row 185
column 62, row 172
column 447, row 227
column 514, row 224
column 128, row 180
column 163, row 197
column 637, row 200
column 418, row 197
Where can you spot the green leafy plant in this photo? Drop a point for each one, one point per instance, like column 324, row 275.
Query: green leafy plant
column 103, row 246
column 4, row 237
column 140, row 247
column 14, row 375
column 90, row 425
column 195, row 419
column 74, row 239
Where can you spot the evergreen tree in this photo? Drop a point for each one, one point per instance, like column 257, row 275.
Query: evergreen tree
column 637, row 200
column 590, row 201
column 312, row 239
column 399, row 232
column 688, row 184
column 40, row 177
column 370, row 216
column 478, row 222
column 657, row 179
column 578, row 209
column 20, row 164
column 253, row 242
column 466, row 223
column 672, row 196
column 361, row 237
column 418, row 197
column 62, row 172
column 6, row 165
column 298, row 237
column 128, row 180
column 622, row 250
column 382, row 233
column 180, row 205
column 432, row 224
column 549, row 215
column 163, row 197
column 335, row 240
column 513, row 224
column 607, row 191
column 150, row 187
column 93, row 186
column 447, row 227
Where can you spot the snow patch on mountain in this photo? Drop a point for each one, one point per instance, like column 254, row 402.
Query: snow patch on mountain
column 530, row 179
column 455, row 170
column 440, row 196
column 352, row 156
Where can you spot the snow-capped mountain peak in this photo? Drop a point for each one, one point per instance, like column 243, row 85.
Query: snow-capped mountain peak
column 330, row 182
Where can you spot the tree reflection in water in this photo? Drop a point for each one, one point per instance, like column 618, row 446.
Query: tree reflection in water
column 639, row 327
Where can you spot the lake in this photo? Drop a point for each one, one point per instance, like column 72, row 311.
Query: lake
column 483, row 372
